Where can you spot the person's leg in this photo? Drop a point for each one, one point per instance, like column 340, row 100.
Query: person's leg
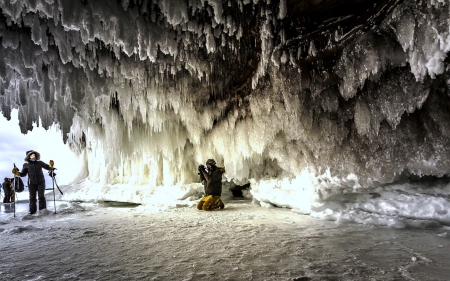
column 217, row 203
column 201, row 205
column 41, row 195
column 32, row 188
column 208, row 202
column 7, row 199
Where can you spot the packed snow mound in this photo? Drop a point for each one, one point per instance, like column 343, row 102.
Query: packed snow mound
column 161, row 196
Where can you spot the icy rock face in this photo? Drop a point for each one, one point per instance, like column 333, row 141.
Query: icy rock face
column 146, row 90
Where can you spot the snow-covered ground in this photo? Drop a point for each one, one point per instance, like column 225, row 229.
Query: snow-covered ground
column 113, row 241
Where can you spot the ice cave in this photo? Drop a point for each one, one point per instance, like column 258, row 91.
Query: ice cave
column 334, row 110
column 306, row 100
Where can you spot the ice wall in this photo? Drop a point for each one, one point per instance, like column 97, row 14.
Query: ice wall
column 146, row 90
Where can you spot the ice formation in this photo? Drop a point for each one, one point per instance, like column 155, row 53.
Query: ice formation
column 355, row 94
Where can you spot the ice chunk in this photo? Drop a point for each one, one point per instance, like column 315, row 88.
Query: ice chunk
column 282, row 9
column 362, row 118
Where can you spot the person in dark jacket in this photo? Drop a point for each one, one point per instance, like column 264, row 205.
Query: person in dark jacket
column 7, row 188
column 212, row 180
column 36, row 182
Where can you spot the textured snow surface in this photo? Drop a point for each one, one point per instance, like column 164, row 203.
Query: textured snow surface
column 411, row 205
column 241, row 242
column 144, row 91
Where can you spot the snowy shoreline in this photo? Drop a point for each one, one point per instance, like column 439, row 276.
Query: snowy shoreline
column 89, row 241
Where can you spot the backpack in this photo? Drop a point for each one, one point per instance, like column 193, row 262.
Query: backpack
column 18, row 185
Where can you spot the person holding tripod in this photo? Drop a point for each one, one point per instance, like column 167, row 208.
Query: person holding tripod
column 36, row 182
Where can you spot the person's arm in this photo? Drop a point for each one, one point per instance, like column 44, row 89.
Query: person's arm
column 46, row 166
column 203, row 174
column 24, row 171
column 202, row 177
column 206, row 175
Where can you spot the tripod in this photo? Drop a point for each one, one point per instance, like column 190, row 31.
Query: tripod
column 14, row 193
column 52, row 174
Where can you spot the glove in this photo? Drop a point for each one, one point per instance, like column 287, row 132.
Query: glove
column 201, row 167
column 51, row 163
column 15, row 171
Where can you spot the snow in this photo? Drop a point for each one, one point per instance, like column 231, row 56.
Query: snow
column 143, row 92
column 407, row 205
column 110, row 241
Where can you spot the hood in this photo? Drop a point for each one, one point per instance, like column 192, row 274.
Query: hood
column 29, row 152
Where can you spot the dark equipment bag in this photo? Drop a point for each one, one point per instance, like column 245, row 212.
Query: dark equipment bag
column 18, row 184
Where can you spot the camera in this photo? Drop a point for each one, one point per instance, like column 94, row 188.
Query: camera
column 202, row 168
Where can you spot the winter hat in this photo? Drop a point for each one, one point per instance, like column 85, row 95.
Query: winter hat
column 6, row 179
column 29, row 152
column 211, row 162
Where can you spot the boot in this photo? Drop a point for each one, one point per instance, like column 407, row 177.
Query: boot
column 216, row 203
column 220, row 204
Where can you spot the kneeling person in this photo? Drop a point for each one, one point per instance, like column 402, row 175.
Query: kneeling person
column 212, row 180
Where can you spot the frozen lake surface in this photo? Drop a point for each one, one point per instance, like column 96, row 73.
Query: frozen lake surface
column 87, row 241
